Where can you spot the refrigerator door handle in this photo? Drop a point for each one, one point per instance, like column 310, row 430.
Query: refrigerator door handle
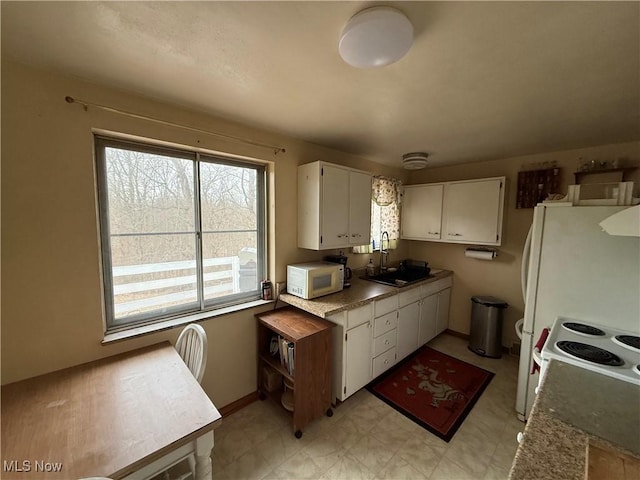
column 524, row 270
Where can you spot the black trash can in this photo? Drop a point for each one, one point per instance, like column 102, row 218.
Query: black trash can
column 486, row 326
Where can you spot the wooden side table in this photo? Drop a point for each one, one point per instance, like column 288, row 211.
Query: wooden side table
column 307, row 339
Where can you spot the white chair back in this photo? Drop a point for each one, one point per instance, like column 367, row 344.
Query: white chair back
column 192, row 347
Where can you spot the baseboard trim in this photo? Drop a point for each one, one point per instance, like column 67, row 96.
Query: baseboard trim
column 467, row 337
column 239, row 404
column 457, row 334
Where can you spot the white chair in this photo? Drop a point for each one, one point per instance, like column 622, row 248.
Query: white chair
column 192, row 347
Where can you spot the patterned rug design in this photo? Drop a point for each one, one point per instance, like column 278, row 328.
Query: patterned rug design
column 433, row 389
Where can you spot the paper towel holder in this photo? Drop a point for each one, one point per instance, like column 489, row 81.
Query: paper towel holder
column 481, row 253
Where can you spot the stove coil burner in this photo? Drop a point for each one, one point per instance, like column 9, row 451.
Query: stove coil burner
column 590, row 353
column 629, row 340
column 582, row 328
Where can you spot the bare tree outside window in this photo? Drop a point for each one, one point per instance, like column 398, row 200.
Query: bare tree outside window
column 182, row 232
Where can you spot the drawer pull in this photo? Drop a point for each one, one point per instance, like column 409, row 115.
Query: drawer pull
column 386, row 342
column 455, row 234
column 434, row 233
column 386, row 362
column 388, row 322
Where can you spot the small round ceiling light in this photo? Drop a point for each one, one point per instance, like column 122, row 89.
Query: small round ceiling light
column 414, row 160
column 376, row 37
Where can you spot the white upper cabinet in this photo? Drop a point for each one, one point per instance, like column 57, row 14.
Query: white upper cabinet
column 359, row 208
column 468, row 211
column 472, row 211
column 334, row 206
column 422, row 211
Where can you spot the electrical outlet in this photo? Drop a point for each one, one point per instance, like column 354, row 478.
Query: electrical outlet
column 281, row 287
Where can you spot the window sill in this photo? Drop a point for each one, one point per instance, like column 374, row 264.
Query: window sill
column 176, row 322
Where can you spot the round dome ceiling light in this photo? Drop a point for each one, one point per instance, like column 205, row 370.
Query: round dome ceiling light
column 375, row 37
column 415, row 160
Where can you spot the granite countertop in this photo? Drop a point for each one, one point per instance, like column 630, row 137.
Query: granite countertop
column 573, row 408
column 360, row 293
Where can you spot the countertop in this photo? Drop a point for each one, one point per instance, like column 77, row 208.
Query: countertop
column 359, row 293
column 574, row 407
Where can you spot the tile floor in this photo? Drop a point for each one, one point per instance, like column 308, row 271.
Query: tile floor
column 367, row 439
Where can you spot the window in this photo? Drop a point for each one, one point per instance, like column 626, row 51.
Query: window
column 181, row 232
column 385, row 214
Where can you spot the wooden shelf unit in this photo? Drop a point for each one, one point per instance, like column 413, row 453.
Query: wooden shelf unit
column 535, row 185
column 311, row 377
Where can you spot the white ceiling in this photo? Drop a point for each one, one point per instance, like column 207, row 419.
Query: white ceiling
column 483, row 80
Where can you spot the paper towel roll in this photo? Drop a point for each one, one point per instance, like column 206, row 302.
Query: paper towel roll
column 480, row 254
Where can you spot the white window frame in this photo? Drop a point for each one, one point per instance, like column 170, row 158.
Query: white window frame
column 113, row 324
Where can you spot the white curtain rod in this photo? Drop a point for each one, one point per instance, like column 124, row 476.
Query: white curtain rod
column 86, row 106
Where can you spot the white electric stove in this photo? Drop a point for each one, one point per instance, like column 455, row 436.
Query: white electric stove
column 598, row 348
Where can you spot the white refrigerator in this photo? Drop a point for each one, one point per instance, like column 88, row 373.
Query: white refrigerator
column 575, row 270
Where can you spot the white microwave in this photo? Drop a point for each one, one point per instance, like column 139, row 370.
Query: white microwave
column 311, row 280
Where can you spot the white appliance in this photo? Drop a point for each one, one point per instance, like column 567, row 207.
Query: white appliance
column 311, row 280
column 599, row 348
column 572, row 268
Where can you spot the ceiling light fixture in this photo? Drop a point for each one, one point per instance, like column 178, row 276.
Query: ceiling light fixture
column 376, row 37
column 414, row 160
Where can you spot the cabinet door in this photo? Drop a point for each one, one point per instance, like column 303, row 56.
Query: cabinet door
column 422, row 212
column 358, row 364
column 359, row 208
column 335, row 207
column 428, row 319
column 408, row 325
column 472, row 211
column 443, row 310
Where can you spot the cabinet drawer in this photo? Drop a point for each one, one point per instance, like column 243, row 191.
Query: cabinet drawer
column 385, row 305
column 358, row 316
column 407, row 297
column 385, row 323
column 383, row 362
column 384, row 342
column 431, row 288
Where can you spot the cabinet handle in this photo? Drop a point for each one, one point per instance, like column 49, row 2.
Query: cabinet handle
column 356, row 235
column 455, row 234
column 433, row 233
column 386, row 342
column 386, row 362
column 388, row 322
column 343, row 235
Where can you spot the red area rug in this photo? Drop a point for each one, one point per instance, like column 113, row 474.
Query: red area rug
column 433, row 389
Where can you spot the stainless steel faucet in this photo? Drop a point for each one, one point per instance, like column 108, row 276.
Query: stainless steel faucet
column 384, row 252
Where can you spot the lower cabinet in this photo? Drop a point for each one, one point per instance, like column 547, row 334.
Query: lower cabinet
column 408, row 326
column 444, row 297
column 428, row 319
column 358, row 348
column 352, row 351
column 434, row 309
column 370, row 339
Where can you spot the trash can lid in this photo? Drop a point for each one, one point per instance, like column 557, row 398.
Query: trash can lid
column 490, row 301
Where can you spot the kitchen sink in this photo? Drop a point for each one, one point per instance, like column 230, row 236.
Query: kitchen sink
column 400, row 278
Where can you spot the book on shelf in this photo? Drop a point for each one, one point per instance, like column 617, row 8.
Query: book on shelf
column 286, row 352
column 290, row 356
